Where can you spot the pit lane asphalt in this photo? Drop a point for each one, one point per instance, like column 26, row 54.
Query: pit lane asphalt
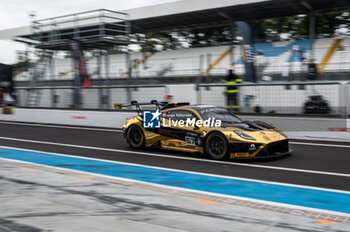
column 304, row 157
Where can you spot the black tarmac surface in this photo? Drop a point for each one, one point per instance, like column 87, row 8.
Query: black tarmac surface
column 331, row 158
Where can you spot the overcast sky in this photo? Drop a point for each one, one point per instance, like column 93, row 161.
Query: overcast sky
column 15, row 13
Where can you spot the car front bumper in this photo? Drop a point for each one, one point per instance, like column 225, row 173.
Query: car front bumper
column 254, row 150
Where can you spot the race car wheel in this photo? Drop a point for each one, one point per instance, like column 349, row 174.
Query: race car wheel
column 217, row 146
column 135, row 137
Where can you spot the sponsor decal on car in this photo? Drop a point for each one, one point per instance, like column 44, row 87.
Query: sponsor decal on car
column 210, row 122
column 190, row 141
column 151, row 119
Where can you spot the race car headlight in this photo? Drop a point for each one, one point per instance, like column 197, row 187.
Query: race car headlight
column 243, row 135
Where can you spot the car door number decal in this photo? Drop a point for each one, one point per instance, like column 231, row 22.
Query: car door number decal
column 190, row 141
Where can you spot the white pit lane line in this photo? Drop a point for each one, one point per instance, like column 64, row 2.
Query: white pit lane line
column 320, row 144
column 181, row 158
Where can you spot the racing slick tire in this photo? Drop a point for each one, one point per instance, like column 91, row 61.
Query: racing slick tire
column 216, row 146
column 135, row 137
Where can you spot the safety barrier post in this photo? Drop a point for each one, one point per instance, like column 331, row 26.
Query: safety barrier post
column 343, row 99
column 347, row 100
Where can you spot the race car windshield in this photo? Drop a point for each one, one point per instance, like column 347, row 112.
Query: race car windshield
column 219, row 114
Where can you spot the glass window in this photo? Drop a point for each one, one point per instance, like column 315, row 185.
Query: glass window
column 219, row 113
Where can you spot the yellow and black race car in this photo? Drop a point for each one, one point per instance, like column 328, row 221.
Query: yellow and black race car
column 203, row 128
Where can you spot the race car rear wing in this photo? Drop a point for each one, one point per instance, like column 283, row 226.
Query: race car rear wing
column 159, row 105
column 175, row 104
column 139, row 104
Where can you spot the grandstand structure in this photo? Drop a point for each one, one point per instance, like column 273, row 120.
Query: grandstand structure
column 196, row 65
column 278, row 58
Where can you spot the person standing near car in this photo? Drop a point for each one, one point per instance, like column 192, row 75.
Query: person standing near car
column 312, row 71
column 232, row 91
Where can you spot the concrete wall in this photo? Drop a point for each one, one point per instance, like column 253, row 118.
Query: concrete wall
column 69, row 117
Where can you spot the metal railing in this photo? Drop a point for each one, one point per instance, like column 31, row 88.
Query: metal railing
column 90, row 27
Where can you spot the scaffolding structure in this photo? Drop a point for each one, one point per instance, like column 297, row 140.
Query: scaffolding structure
column 97, row 30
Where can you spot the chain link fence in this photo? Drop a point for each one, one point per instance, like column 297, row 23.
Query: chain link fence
column 92, row 97
column 328, row 98
column 289, row 98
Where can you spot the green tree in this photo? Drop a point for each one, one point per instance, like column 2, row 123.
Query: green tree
column 23, row 61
